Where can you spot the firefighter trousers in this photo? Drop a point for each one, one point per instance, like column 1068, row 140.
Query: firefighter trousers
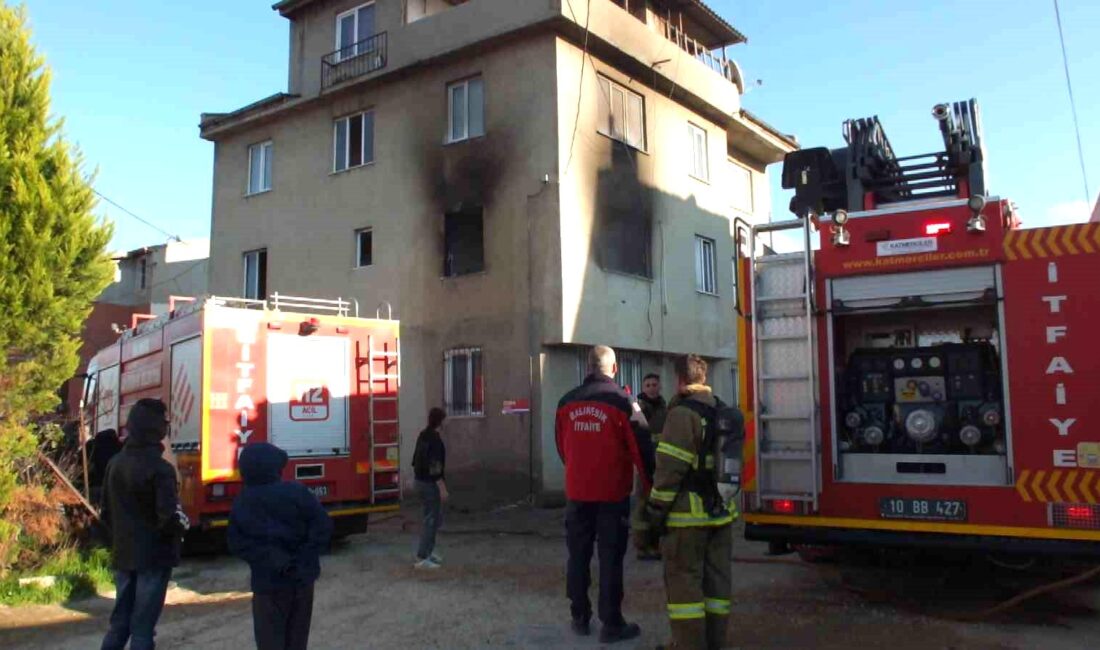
column 698, row 584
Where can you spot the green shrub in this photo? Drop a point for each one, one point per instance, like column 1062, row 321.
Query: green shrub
column 79, row 574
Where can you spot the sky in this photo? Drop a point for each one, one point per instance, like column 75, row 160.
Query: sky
column 131, row 77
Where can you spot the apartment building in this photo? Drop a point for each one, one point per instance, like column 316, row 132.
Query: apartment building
column 519, row 180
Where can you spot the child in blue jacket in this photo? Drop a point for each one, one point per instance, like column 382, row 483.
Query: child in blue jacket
column 280, row 529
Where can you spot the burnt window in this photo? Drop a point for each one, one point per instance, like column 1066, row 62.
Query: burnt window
column 463, row 243
column 623, row 217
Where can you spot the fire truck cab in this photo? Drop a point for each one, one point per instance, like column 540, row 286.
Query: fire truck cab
column 305, row 374
column 923, row 377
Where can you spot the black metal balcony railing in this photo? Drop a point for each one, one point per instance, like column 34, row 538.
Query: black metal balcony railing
column 355, row 60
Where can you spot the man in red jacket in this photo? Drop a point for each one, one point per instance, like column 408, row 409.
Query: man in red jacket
column 602, row 437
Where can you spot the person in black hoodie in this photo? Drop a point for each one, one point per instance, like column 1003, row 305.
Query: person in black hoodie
column 101, row 449
column 429, row 463
column 141, row 511
column 279, row 528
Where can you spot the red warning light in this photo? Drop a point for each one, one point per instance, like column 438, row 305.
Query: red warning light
column 937, row 228
column 783, row 506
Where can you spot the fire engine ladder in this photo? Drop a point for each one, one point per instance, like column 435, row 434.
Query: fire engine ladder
column 381, row 387
column 788, row 458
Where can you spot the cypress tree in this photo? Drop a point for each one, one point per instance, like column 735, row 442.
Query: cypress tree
column 53, row 255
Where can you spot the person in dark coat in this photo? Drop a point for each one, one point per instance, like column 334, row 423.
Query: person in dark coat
column 429, row 464
column 101, row 449
column 142, row 512
column 279, row 528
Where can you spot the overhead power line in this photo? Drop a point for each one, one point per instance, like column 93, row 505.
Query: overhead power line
column 144, row 221
column 1072, row 104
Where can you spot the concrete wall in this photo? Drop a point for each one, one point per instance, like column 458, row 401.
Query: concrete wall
column 543, row 295
column 306, row 223
column 172, row 269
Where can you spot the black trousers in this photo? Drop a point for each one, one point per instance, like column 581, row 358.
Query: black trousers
column 281, row 618
column 605, row 526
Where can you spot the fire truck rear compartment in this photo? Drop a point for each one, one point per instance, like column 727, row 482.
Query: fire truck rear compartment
column 918, row 375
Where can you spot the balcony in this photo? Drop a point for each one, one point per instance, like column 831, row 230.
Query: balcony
column 715, row 59
column 355, row 60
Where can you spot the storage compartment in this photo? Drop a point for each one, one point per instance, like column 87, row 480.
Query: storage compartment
column 918, row 378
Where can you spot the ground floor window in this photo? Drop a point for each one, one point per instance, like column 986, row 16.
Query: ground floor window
column 463, row 382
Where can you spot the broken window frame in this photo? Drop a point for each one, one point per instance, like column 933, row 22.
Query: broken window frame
column 700, row 162
column 342, row 129
column 359, row 236
column 629, row 127
column 464, row 382
column 706, row 271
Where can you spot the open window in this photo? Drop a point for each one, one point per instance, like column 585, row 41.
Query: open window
column 463, row 241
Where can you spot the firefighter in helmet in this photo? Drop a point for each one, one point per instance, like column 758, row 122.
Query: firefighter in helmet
column 689, row 516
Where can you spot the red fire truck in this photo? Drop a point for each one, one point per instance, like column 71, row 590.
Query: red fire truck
column 926, row 376
column 305, row 374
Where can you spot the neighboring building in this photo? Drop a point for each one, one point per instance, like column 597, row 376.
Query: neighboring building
column 519, row 182
column 145, row 280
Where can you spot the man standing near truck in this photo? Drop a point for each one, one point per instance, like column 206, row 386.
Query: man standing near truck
column 601, row 438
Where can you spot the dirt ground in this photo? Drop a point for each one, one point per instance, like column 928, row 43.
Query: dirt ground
column 502, row 586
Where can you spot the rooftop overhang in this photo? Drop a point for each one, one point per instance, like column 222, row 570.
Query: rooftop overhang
column 716, row 32
column 752, row 135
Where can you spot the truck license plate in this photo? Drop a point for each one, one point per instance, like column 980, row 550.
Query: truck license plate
column 319, row 491
column 936, row 509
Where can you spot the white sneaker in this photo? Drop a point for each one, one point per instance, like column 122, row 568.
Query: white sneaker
column 426, row 563
column 436, row 557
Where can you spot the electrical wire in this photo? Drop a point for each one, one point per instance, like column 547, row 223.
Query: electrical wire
column 580, row 84
column 144, row 221
column 1072, row 104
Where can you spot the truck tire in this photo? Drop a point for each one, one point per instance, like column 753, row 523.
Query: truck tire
column 350, row 525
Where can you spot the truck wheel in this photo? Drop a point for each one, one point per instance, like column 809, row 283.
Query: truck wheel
column 351, row 525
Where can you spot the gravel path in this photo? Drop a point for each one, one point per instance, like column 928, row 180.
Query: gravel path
column 507, row 591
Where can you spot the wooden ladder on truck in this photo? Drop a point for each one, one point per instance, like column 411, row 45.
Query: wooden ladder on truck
column 381, row 387
column 785, row 383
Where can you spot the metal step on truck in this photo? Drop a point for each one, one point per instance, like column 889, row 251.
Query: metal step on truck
column 306, row 374
column 925, row 375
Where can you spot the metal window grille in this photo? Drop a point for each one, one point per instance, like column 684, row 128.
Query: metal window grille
column 463, row 382
column 705, row 271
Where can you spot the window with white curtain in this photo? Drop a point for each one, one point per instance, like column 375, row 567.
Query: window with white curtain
column 255, row 274
column 740, row 189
